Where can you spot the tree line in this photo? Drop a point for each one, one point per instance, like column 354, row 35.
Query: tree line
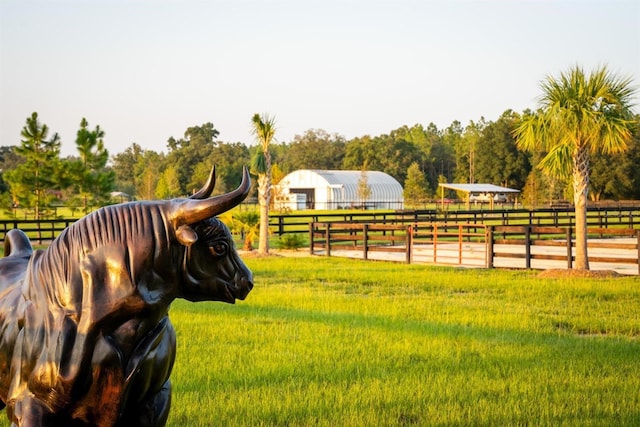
column 582, row 141
column 33, row 175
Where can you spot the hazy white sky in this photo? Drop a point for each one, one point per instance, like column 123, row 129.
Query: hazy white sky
column 146, row 70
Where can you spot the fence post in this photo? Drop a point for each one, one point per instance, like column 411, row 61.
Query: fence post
column 365, row 240
column 280, row 226
column 311, row 242
column 327, row 242
column 409, row 243
column 435, row 242
column 489, row 246
column 460, row 237
column 569, row 249
column 527, row 247
column 638, row 249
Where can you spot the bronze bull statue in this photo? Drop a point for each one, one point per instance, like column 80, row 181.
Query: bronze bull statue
column 85, row 337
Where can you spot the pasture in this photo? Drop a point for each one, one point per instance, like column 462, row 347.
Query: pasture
column 329, row 341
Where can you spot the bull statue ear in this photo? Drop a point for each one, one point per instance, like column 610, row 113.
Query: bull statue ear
column 186, row 236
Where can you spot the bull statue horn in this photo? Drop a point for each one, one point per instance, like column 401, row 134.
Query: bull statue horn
column 198, row 207
column 207, row 188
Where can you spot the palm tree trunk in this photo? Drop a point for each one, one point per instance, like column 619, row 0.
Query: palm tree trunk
column 264, row 198
column 37, row 207
column 580, row 193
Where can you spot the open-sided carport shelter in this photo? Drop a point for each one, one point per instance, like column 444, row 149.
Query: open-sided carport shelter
column 477, row 188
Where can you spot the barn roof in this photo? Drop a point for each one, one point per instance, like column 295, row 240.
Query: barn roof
column 479, row 188
column 340, row 177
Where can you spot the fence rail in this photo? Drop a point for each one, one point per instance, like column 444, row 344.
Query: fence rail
column 39, row 231
column 597, row 217
column 446, row 243
column 478, row 245
column 474, row 237
column 364, row 238
column 612, row 247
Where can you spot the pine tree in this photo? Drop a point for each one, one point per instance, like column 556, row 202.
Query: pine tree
column 364, row 191
column 92, row 179
column 415, row 186
column 32, row 181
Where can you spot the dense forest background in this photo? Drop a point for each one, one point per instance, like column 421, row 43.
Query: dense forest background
column 33, row 175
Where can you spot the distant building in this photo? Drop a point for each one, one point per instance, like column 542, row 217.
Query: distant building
column 336, row 189
column 482, row 193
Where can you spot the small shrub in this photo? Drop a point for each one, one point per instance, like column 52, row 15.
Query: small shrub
column 247, row 225
column 291, row 241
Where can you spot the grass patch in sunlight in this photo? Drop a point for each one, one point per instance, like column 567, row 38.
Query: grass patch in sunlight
column 345, row 342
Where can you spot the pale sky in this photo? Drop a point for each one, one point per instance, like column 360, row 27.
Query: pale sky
column 146, row 70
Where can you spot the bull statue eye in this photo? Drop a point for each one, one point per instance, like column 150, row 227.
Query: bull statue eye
column 218, row 248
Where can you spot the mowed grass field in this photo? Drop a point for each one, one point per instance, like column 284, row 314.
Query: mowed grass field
column 339, row 342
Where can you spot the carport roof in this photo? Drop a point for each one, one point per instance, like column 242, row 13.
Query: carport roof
column 479, row 188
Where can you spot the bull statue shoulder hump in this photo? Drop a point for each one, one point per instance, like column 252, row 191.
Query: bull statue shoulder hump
column 85, row 337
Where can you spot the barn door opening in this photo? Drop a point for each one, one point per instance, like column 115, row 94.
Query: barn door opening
column 309, row 193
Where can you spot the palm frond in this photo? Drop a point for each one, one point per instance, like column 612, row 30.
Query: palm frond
column 258, row 163
column 557, row 162
column 264, row 129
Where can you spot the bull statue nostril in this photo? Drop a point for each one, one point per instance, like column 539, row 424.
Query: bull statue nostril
column 246, row 283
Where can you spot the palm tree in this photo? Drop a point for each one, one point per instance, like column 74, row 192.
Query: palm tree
column 247, row 223
column 580, row 115
column 264, row 129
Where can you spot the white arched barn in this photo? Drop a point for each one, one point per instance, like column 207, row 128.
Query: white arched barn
column 335, row 189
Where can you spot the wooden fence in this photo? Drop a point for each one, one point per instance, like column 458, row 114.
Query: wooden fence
column 39, row 231
column 364, row 238
column 611, row 247
column 475, row 237
column 604, row 216
column 597, row 217
column 477, row 245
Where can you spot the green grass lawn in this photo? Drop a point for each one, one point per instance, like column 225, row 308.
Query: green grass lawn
column 338, row 342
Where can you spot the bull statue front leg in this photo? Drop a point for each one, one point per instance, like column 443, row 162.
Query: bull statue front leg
column 154, row 411
column 148, row 395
